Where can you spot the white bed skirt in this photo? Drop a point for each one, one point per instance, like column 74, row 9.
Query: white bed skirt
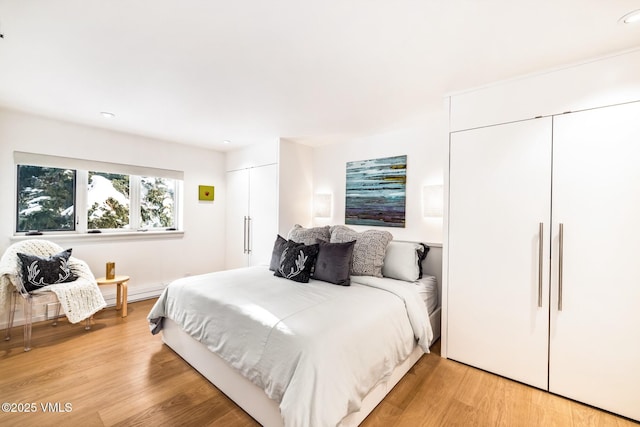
column 253, row 399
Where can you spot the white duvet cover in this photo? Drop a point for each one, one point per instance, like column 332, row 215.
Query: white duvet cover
column 316, row 348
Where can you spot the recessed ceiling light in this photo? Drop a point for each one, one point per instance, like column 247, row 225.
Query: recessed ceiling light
column 107, row 115
column 226, row 141
column 631, row 17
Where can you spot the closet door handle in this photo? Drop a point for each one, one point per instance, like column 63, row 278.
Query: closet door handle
column 560, row 266
column 244, row 235
column 249, row 234
column 540, row 257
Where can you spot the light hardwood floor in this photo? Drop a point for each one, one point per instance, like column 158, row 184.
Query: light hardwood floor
column 118, row 374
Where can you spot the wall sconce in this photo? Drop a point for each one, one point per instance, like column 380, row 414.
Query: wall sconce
column 433, row 200
column 322, row 205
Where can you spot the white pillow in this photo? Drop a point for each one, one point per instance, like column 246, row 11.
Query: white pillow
column 401, row 261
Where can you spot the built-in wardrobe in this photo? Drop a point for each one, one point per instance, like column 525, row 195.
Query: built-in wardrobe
column 542, row 248
column 252, row 214
column 267, row 190
column 251, row 205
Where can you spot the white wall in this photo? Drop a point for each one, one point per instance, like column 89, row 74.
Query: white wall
column 295, row 186
column 151, row 262
column 425, row 142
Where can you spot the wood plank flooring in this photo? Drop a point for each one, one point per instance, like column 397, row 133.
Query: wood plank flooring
column 118, row 374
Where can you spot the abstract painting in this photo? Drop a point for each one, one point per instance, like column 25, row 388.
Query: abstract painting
column 376, row 192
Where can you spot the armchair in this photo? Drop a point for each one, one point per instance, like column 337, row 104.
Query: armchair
column 79, row 299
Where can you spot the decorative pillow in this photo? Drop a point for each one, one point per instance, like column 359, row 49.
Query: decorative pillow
column 308, row 236
column 297, row 261
column 403, row 260
column 278, row 247
column 369, row 250
column 38, row 272
column 422, row 255
column 334, row 262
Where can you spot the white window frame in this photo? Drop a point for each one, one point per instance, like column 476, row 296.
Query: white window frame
column 82, row 168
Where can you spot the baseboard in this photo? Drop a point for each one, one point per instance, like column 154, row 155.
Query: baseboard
column 135, row 293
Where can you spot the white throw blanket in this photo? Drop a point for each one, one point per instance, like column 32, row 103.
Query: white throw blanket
column 79, row 299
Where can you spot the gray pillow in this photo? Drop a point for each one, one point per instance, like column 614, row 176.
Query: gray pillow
column 369, row 250
column 308, row 236
column 334, row 262
column 278, row 247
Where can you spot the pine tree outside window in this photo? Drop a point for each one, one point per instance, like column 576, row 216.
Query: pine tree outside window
column 53, row 199
column 157, row 202
column 108, row 201
column 45, row 199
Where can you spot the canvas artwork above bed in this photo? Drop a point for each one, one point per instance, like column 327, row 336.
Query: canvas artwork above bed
column 335, row 315
column 375, row 193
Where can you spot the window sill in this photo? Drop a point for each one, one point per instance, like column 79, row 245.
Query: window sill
column 102, row 237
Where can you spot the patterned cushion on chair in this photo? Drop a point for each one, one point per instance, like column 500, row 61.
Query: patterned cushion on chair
column 37, row 272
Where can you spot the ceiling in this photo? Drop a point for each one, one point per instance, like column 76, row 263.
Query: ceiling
column 203, row 71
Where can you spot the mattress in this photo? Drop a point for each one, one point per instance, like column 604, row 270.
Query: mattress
column 427, row 288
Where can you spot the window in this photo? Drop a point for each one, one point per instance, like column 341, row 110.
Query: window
column 94, row 198
column 108, row 201
column 45, row 199
column 157, row 202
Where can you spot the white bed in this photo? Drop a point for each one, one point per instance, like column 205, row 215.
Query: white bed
column 253, row 398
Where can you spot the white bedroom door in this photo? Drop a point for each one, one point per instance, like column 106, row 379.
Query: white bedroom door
column 594, row 338
column 498, row 293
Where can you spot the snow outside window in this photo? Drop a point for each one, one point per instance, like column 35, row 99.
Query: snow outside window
column 45, row 199
column 53, row 199
column 108, row 201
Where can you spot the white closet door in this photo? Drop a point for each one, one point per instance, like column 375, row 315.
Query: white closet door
column 595, row 339
column 499, row 189
column 237, row 210
column 263, row 210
